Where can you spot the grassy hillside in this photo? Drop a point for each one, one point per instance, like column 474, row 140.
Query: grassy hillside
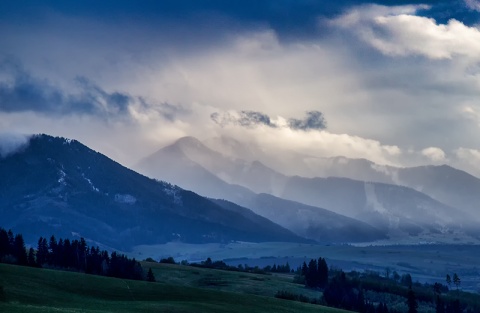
column 248, row 283
column 39, row 290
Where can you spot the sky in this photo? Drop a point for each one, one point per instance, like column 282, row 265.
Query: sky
column 396, row 82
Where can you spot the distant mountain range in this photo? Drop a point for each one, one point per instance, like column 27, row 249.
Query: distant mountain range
column 179, row 163
column 61, row 187
column 387, row 198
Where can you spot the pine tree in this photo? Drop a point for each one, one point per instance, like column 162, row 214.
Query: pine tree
column 411, row 301
column 52, row 251
column 150, row 276
column 322, row 273
column 440, row 306
column 311, row 278
column 456, row 280
column 20, row 251
column 304, row 269
column 448, row 280
column 42, row 251
column 4, row 243
column 31, row 258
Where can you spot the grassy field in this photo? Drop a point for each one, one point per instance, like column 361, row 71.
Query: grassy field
column 40, row 290
column 256, row 284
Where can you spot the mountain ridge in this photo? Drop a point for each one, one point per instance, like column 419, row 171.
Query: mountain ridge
column 61, row 187
column 397, row 210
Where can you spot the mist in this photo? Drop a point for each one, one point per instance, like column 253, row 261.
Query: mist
column 11, row 143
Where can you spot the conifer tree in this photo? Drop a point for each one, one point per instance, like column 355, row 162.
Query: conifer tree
column 4, row 243
column 456, row 280
column 322, row 273
column 150, row 276
column 42, row 251
column 411, row 301
column 440, row 306
column 20, row 251
column 31, row 258
column 448, row 280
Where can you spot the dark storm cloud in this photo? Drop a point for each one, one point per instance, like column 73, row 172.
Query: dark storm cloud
column 313, row 121
column 168, row 111
column 243, row 118
column 252, row 118
column 290, row 19
column 25, row 93
column 22, row 92
column 93, row 95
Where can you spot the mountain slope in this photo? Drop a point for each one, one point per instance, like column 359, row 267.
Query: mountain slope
column 313, row 222
column 190, row 158
column 396, row 210
column 446, row 184
column 58, row 186
column 175, row 163
column 453, row 187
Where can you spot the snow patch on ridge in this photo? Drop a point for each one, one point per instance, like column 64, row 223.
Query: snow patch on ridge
column 126, row 198
column 174, row 192
column 90, row 183
column 61, row 180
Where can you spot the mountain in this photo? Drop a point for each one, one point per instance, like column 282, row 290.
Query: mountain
column 446, row 184
column 178, row 163
column 192, row 153
column 453, row 187
column 173, row 165
column 397, row 210
column 61, row 187
column 314, row 222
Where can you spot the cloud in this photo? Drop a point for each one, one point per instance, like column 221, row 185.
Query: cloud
column 242, row 118
column 468, row 160
column 313, row 121
column 472, row 113
column 10, row 143
column 397, row 31
column 434, row 154
column 21, row 92
column 155, row 82
column 473, row 4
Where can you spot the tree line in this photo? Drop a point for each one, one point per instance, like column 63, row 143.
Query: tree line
column 73, row 255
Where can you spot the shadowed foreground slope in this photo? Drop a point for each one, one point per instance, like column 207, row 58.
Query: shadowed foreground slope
column 39, row 290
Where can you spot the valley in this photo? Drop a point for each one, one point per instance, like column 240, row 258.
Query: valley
column 425, row 262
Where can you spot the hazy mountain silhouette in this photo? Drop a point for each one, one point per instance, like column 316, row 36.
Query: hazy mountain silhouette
column 396, row 210
column 176, row 163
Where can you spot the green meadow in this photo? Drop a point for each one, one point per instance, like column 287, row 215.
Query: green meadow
column 178, row 289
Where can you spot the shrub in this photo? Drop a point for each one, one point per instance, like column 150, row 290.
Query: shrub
column 287, row 295
column 168, row 260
